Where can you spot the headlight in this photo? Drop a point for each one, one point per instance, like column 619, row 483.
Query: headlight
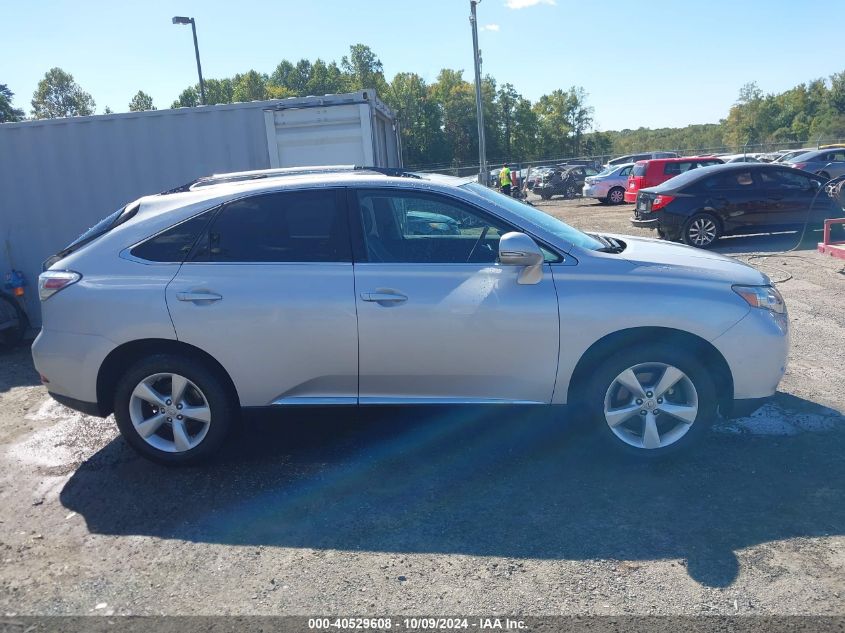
column 766, row 298
column 763, row 297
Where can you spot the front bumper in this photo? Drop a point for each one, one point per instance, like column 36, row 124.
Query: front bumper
column 595, row 190
column 756, row 350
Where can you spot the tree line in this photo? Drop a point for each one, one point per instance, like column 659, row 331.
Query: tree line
column 438, row 119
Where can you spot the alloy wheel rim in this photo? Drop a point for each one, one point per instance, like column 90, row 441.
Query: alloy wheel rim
column 702, row 231
column 616, row 196
column 169, row 412
column 651, row 405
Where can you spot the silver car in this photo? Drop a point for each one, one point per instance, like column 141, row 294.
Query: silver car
column 608, row 186
column 827, row 163
column 285, row 289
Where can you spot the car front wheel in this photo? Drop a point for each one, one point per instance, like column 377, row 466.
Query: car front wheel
column 652, row 400
column 173, row 410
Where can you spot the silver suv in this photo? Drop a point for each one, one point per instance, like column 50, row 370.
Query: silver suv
column 342, row 287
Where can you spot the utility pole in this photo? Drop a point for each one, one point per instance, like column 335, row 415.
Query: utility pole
column 476, row 54
column 185, row 20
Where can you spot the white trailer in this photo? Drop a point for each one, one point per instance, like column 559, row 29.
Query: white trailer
column 60, row 176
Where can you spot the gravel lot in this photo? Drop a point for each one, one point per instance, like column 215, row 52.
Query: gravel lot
column 444, row 511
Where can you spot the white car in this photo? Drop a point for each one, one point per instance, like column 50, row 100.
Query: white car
column 609, row 185
column 291, row 288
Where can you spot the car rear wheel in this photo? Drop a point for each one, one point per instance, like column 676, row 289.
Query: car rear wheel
column 173, row 410
column 652, row 400
column 701, row 230
column 13, row 321
column 545, row 196
column 569, row 192
column 616, row 195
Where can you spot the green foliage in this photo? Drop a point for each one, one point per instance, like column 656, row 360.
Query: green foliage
column 140, row 102
column 58, row 95
column 7, row 112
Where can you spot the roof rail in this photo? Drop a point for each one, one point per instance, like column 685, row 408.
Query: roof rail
column 258, row 174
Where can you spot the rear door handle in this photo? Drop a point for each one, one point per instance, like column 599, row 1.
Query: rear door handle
column 198, row 296
column 383, row 297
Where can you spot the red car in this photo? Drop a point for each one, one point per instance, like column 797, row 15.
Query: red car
column 648, row 173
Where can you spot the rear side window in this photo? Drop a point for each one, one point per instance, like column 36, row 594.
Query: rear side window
column 787, row 178
column 294, row 226
column 730, row 180
column 173, row 244
column 639, row 170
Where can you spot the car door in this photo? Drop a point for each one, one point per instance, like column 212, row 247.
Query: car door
column 789, row 195
column 269, row 293
column 736, row 198
column 438, row 319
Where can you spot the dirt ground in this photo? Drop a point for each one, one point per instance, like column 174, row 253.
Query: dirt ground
column 444, row 512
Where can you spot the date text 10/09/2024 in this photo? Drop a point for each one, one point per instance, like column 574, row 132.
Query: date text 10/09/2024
column 415, row 624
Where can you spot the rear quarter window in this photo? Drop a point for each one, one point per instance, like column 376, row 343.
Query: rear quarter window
column 639, row 170
column 173, row 244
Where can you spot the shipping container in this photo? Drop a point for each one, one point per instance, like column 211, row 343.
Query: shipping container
column 60, row 176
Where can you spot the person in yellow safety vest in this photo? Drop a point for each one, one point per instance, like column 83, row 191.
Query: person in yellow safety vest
column 505, row 180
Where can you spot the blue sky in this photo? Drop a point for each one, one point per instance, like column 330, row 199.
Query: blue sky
column 646, row 63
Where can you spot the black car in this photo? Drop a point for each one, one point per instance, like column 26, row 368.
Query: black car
column 564, row 181
column 701, row 205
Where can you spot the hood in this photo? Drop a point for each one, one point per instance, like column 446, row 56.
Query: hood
column 667, row 258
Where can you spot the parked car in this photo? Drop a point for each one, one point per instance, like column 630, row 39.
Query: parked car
column 648, row 173
column 564, row 181
column 609, row 185
column 738, row 158
column 535, row 174
column 701, row 205
column 633, row 158
column 827, row 163
column 790, row 154
column 180, row 309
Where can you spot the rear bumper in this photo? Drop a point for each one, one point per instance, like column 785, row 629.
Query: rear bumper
column 70, row 362
column 630, row 196
column 644, row 224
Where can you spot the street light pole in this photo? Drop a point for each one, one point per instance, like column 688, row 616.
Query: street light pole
column 183, row 20
column 476, row 54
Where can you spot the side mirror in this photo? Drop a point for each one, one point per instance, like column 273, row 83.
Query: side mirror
column 517, row 249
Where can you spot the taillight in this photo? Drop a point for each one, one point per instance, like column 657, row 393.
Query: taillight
column 661, row 201
column 51, row 281
column 799, row 165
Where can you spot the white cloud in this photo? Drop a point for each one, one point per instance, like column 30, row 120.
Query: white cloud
column 490, row 27
column 523, row 4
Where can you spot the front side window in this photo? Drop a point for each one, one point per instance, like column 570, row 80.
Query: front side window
column 787, row 178
column 293, row 226
column 407, row 226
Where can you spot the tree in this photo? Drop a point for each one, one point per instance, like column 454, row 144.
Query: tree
column 7, row 112
column 140, row 102
column 419, row 119
column 58, row 95
column 364, row 69
column 188, row 98
column 108, row 110
column 251, row 86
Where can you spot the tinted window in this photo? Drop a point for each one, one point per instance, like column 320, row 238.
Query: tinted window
column 639, row 170
column 296, row 226
column 173, row 244
column 405, row 226
column 730, row 180
column 786, row 178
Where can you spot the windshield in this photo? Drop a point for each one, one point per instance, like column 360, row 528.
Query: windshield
column 535, row 216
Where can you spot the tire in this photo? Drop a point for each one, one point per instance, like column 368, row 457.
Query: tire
column 569, row 193
column 142, row 402
column 10, row 310
column 701, row 230
column 546, row 196
column 616, row 195
column 617, row 410
column 602, row 200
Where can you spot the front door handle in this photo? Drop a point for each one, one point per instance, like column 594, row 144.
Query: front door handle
column 198, row 296
column 383, row 297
